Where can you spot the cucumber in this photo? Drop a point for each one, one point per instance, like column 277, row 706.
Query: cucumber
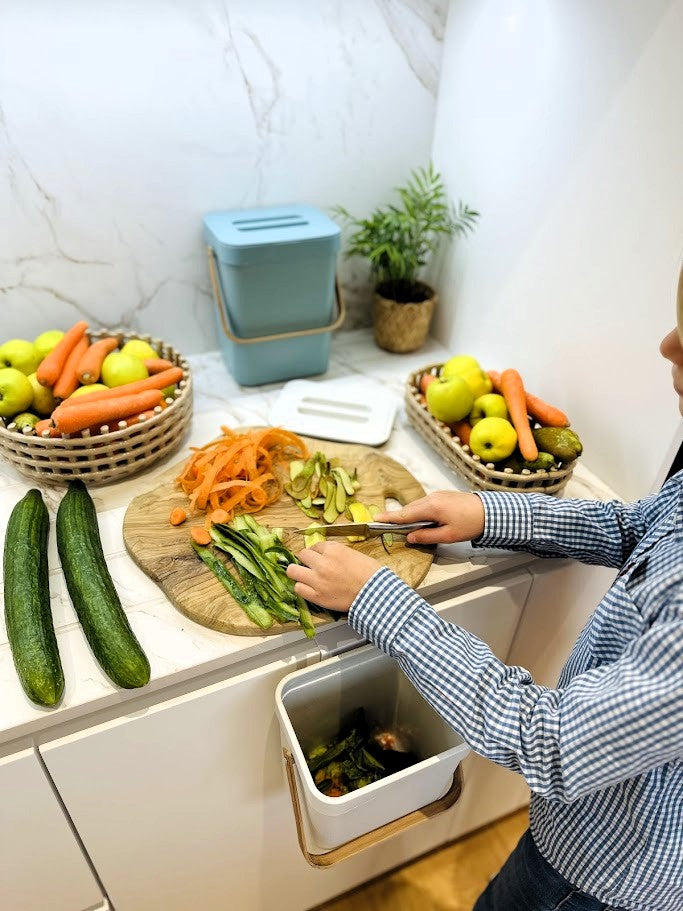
column 28, row 618
column 92, row 591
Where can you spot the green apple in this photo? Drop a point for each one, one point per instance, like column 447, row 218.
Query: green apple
column 20, row 354
column 478, row 382
column 43, row 400
column 26, row 419
column 493, row 439
column 84, row 390
column 469, row 369
column 490, row 405
column 137, row 348
column 459, row 364
column 119, row 368
column 449, row 399
column 16, row 393
column 46, row 341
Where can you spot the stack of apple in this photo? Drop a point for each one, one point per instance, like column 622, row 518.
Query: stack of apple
column 37, row 377
column 494, row 416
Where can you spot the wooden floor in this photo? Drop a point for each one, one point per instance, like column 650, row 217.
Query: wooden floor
column 450, row 879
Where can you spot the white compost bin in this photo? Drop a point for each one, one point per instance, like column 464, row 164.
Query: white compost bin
column 312, row 704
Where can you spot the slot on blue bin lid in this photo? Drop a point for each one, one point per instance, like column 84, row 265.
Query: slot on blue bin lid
column 245, row 236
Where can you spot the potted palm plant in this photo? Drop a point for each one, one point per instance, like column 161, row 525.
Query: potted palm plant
column 398, row 240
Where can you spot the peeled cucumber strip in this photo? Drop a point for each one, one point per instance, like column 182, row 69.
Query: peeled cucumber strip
column 314, row 537
column 251, row 606
column 295, row 468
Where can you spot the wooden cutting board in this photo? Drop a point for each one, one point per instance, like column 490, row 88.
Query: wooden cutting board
column 164, row 552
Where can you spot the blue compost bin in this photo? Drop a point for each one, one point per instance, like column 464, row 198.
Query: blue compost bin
column 273, row 276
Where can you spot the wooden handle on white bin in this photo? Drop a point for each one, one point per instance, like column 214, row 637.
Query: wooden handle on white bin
column 350, row 848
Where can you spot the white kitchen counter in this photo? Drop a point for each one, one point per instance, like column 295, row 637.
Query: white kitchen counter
column 179, row 649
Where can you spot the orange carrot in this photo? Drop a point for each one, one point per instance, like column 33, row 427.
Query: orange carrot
column 89, row 367
column 68, row 378
column 158, row 381
column 88, row 413
column 240, row 472
column 146, row 415
column 494, row 376
column 96, row 429
column 200, row 536
column 462, row 429
column 157, row 364
column 512, row 389
column 178, row 516
column 545, row 414
column 41, row 426
column 426, row 380
column 51, row 366
column 219, row 516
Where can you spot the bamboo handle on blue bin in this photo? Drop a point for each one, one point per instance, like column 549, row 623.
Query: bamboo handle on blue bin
column 278, row 336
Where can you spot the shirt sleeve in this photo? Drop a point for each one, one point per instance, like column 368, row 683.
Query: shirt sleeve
column 586, row 530
column 608, row 724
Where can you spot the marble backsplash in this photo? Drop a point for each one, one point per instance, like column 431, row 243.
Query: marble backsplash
column 122, row 123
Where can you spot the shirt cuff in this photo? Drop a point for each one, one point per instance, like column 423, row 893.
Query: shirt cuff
column 382, row 607
column 508, row 519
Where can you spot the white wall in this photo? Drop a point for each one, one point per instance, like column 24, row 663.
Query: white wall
column 123, row 122
column 562, row 121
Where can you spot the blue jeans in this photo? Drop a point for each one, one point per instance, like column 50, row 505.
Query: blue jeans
column 527, row 882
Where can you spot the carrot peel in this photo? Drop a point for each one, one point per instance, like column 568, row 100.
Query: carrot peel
column 239, row 472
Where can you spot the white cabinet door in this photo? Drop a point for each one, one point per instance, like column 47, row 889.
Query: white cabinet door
column 41, row 863
column 185, row 805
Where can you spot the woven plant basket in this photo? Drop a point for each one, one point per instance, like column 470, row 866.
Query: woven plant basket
column 113, row 453
column 479, row 475
column 402, row 327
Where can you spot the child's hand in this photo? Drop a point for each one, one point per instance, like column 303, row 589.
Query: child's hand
column 332, row 574
column 460, row 517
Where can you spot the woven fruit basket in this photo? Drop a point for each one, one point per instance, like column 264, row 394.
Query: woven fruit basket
column 479, row 475
column 114, row 452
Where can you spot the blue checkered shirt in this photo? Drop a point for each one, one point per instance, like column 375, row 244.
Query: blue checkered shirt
column 602, row 752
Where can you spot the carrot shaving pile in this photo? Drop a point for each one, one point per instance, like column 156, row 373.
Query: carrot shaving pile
column 240, row 472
